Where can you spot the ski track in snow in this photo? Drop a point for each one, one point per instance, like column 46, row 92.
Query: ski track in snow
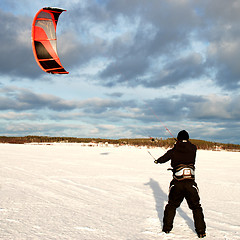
column 71, row 191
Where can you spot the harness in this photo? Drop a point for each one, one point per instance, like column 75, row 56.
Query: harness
column 183, row 172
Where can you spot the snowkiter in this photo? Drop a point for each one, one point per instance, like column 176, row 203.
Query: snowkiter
column 183, row 185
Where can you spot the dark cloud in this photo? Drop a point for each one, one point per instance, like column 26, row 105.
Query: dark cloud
column 156, row 47
column 124, row 71
column 164, row 32
column 158, row 36
column 115, row 94
column 177, row 71
column 19, row 99
column 194, row 108
column 220, row 31
column 15, row 48
column 158, row 30
column 224, row 58
column 22, row 99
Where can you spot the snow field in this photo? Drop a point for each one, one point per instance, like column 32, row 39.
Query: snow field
column 72, row 191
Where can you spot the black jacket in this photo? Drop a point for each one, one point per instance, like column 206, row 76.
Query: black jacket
column 183, row 152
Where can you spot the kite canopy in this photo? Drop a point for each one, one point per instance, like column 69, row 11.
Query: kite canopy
column 44, row 40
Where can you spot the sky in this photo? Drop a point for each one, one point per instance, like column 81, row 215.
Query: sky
column 136, row 67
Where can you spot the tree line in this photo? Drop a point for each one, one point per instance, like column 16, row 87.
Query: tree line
column 149, row 142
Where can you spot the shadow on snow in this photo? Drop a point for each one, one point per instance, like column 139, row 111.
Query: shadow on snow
column 160, row 197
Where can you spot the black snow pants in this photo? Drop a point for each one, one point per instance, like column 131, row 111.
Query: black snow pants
column 177, row 192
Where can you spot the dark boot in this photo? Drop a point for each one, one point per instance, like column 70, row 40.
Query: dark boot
column 201, row 234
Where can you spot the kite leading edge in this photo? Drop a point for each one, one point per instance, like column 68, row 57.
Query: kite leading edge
column 44, row 40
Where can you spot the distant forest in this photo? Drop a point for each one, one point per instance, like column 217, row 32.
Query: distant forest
column 149, row 142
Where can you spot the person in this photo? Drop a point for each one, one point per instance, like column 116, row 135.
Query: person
column 183, row 185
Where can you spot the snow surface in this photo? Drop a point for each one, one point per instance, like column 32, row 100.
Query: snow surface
column 72, row 191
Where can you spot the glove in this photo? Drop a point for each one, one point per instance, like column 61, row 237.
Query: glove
column 156, row 161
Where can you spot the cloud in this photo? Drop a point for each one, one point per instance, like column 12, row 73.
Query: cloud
column 115, row 94
column 19, row 99
column 224, row 57
column 16, row 49
column 190, row 107
column 116, row 49
column 43, row 129
column 132, row 35
column 160, row 46
column 207, row 108
column 220, row 31
column 177, row 71
column 208, row 116
column 18, row 116
column 139, row 42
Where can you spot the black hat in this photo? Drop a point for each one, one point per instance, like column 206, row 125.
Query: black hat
column 183, row 135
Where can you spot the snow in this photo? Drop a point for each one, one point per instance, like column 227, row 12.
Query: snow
column 75, row 191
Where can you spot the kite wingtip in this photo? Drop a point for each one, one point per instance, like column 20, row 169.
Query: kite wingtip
column 55, row 8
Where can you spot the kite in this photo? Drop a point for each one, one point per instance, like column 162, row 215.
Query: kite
column 44, row 40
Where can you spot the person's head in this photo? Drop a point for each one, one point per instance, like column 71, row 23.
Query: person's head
column 182, row 135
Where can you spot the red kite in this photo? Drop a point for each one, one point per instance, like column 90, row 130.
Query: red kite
column 44, row 40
